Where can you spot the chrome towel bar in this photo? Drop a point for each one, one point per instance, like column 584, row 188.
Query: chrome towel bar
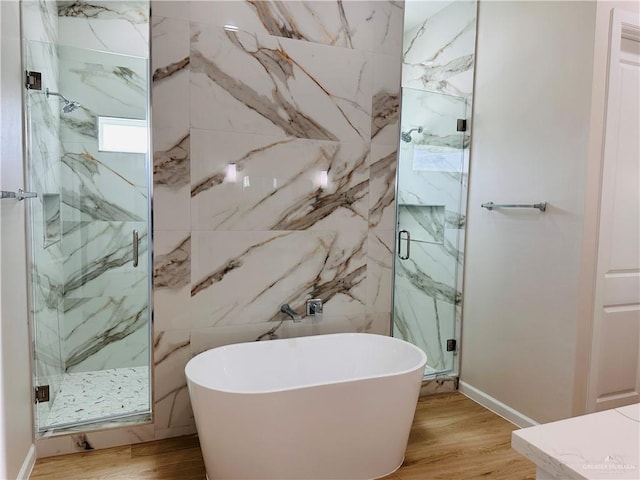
column 542, row 206
column 19, row 195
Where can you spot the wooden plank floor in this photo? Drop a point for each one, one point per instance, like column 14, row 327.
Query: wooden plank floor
column 452, row 438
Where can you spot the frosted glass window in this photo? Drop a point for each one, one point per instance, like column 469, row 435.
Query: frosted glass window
column 444, row 161
column 127, row 135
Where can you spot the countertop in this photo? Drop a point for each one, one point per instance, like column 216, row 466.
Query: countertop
column 603, row 445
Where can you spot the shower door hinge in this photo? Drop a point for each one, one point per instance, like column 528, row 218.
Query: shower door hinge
column 461, row 125
column 41, row 393
column 451, row 345
column 33, row 80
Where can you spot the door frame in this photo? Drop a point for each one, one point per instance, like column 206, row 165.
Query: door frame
column 621, row 24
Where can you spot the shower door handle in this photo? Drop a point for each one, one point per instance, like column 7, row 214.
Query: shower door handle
column 408, row 238
column 19, row 195
column 135, row 248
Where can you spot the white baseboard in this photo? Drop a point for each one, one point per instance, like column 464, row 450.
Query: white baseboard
column 496, row 406
column 28, row 464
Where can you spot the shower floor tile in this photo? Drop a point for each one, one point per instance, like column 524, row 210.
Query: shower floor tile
column 89, row 396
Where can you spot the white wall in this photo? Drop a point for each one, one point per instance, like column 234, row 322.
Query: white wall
column 530, row 143
column 16, row 428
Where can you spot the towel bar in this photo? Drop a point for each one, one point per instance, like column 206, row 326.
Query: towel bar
column 542, row 206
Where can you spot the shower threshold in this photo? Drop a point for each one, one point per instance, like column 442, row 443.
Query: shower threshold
column 86, row 397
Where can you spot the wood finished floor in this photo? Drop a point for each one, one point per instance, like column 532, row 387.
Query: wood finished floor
column 452, row 438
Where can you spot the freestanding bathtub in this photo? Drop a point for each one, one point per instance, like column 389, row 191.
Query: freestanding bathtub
column 336, row 406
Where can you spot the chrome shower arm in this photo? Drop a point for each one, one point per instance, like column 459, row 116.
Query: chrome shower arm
column 56, row 94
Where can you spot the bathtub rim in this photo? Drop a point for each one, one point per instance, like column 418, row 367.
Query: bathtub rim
column 419, row 366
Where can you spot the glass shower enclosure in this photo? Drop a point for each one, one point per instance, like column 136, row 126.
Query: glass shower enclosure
column 87, row 158
column 431, row 204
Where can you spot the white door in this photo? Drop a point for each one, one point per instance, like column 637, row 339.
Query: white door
column 615, row 364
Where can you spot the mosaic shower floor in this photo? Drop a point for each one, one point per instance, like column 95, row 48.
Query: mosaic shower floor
column 89, row 396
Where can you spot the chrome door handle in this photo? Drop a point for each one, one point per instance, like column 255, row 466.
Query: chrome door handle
column 405, row 257
column 19, row 195
column 135, row 248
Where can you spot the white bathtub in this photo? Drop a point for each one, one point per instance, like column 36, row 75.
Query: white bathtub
column 334, row 406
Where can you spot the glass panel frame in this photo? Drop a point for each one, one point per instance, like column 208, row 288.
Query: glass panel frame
column 430, row 205
column 80, row 255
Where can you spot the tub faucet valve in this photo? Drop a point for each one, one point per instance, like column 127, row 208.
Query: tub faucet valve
column 314, row 308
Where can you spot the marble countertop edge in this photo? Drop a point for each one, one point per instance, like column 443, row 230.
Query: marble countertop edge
column 542, row 459
column 601, row 445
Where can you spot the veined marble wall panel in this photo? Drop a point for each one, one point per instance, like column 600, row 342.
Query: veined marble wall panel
column 385, row 108
column 106, row 332
column 172, row 280
column 276, row 183
column 46, row 295
column 105, row 84
column 40, row 21
column 420, row 187
column 426, row 300
column 104, row 197
column 171, row 119
column 172, row 406
column 426, row 222
column 102, row 90
column 381, row 234
column 120, row 26
column 385, row 123
column 382, row 186
column 105, row 308
column 421, row 329
column 438, row 54
column 244, row 277
column 206, row 338
column 173, row 9
column 172, row 219
column 99, row 259
column 281, row 108
column 380, row 244
column 40, row 34
column 269, row 85
column 97, row 185
column 360, row 25
column 437, row 115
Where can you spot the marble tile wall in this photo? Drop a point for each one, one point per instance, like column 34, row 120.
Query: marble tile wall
column 438, row 53
column 105, row 194
column 247, row 122
column 104, row 198
column 437, row 80
column 116, row 26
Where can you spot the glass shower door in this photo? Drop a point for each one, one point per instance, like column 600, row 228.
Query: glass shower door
column 89, row 235
column 430, row 220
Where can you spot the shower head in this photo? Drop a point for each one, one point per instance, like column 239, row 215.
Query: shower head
column 406, row 136
column 69, row 106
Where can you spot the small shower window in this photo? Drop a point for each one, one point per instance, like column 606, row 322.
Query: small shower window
column 127, row 135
